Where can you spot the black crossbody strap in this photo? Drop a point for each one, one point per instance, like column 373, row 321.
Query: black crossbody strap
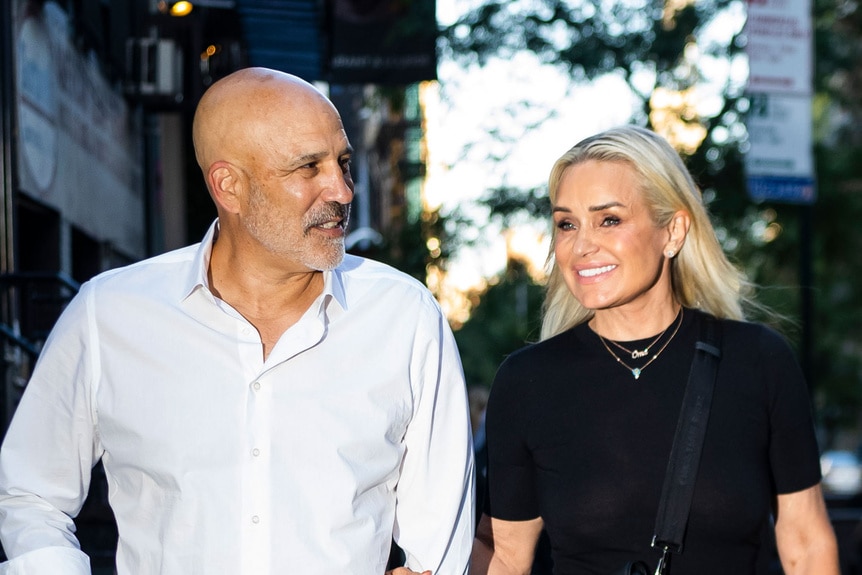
column 678, row 488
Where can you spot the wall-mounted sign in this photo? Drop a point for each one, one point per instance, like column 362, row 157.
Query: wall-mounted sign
column 382, row 41
column 80, row 146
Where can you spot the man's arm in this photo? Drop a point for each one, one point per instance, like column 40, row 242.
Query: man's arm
column 47, row 456
column 435, row 494
column 48, row 561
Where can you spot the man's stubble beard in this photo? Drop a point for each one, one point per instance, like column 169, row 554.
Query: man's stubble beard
column 277, row 236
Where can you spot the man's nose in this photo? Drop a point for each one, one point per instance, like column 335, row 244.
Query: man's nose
column 339, row 187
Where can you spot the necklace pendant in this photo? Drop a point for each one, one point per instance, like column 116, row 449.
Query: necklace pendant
column 636, row 372
column 637, row 354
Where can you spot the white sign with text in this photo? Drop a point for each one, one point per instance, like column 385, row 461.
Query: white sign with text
column 779, row 47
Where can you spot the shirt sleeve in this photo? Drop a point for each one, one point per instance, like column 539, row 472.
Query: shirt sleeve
column 435, row 509
column 48, row 453
column 48, row 561
column 511, row 471
column 793, row 450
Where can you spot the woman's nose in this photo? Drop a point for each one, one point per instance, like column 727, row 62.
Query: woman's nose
column 583, row 243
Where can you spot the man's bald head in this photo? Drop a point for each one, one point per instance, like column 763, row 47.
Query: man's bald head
column 236, row 111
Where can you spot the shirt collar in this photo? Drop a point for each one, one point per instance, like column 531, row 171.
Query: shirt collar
column 333, row 286
column 333, row 281
column 198, row 274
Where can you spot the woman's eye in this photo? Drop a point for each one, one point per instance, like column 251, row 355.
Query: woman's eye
column 565, row 225
column 610, row 221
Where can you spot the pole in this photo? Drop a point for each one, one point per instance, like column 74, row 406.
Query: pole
column 8, row 101
column 807, row 291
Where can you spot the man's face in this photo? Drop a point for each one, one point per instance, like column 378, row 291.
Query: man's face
column 300, row 189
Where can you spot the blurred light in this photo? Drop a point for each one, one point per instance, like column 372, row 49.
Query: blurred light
column 530, row 247
column 674, row 115
column 671, row 9
column 181, row 8
column 210, row 51
column 771, row 232
column 842, row 473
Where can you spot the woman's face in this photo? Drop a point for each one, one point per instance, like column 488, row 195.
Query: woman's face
column 607, row 246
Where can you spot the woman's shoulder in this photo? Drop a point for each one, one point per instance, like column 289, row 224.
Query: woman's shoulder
column 744, row 336
column 565, row 343
column 540, row 361
column 530, row 375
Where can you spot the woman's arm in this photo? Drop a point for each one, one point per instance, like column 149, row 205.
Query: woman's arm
column 505, row 547
column 804, row 535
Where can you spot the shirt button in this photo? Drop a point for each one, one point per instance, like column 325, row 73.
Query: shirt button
column 246, row 331
column 255, row 451
column 255, row 519
column 256, row 385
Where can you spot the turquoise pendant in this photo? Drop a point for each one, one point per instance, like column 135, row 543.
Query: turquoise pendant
column 636, row 372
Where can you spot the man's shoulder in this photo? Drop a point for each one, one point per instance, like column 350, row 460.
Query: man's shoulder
column 360, row 269
column 170, row 266
column 363, row 276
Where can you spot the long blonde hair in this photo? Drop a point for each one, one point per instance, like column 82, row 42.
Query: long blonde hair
column 701, row 275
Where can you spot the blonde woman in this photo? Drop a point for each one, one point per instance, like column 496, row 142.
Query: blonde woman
column 580, row 425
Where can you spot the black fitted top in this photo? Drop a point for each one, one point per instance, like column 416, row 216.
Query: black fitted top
column 575, row 439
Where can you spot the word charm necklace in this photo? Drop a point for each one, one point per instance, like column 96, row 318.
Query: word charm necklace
column 636, row 371
column 639, row 353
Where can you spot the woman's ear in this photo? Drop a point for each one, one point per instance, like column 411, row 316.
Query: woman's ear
column 677, row 232
column 225, row 186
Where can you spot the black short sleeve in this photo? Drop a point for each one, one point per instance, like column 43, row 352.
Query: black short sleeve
column 511, row 473
column 793, row 450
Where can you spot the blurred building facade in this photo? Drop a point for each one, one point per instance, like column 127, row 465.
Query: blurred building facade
column 97, row 170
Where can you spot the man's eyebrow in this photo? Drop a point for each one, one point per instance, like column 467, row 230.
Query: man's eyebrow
column 317, row 156
column 308, row 158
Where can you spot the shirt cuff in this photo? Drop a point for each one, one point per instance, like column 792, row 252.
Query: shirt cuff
column 48, row 561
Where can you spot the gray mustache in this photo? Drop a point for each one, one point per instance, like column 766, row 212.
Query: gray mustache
column 331, row 210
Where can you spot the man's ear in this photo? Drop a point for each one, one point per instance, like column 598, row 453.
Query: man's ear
column 226, row 186
column 677, row 231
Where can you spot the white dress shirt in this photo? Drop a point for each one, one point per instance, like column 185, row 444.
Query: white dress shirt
column 353, row 431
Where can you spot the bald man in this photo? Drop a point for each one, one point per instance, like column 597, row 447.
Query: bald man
column 261, row 403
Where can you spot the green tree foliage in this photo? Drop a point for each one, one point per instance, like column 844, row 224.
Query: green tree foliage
column 406, row 247
column 807, row 258
column 507, row 316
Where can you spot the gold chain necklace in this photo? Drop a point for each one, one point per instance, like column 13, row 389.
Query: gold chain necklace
column 636, row 371
column 639, row 353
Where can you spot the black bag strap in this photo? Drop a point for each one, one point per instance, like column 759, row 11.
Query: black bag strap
column 678, row 488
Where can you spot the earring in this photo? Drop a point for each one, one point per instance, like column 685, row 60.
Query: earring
column 670, row 253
